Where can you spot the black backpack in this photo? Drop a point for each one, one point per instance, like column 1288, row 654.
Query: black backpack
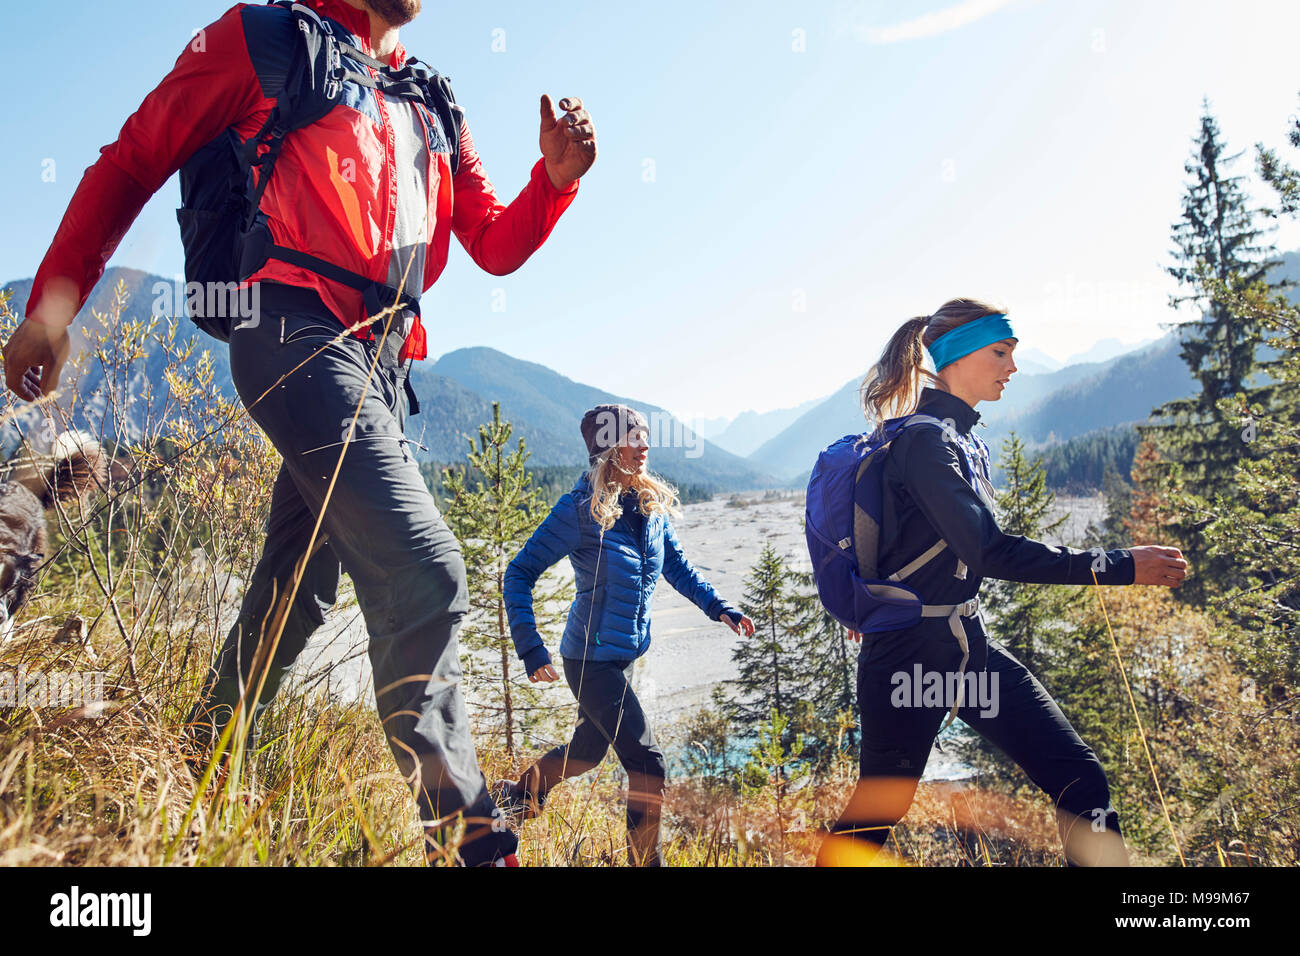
column 306, row 61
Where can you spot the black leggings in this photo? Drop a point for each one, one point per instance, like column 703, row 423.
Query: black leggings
column 610, row 713
column 1006, row 705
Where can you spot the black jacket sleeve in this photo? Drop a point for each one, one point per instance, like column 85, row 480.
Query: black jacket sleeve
column 932, row 474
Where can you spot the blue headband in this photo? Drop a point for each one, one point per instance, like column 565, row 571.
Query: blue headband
column 967, row 338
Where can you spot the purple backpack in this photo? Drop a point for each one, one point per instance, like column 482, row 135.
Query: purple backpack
column 843, row 519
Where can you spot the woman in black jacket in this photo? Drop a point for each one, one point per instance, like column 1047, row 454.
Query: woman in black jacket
column 928, row 497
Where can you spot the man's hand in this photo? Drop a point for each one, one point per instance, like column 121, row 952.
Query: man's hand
column 1159, row 565
column 568, row 142
column 545, row 673
column 35, row 353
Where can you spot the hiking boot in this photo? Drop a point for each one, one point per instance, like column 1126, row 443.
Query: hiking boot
column 520, row 800
column 505, row 794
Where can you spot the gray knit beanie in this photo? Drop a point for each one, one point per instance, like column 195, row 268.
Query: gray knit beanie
column 607, row 426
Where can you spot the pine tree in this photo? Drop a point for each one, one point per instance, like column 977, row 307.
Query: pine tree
column 707, row 754
column 830, row 676
column 767, row 661
column 492, row 521
column 1219, row 245
column 1280, row 175
column 776, row 770
column 1217, row 235
column 1257, row 531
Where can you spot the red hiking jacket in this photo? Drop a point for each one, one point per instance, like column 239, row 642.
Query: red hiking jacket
column 334, row 190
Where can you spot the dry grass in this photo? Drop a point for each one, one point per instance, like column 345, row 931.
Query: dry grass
column 322, row 790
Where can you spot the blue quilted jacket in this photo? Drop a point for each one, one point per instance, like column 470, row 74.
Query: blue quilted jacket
column 615, row 582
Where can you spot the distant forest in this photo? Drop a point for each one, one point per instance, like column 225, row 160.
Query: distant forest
column 1078, row 466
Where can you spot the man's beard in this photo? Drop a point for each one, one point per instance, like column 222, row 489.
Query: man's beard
column 395, row 12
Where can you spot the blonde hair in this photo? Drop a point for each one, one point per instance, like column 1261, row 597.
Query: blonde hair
column 654, row 494
column 893, row 386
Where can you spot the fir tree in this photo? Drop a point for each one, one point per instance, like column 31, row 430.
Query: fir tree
column 776, row 768
column 707, row 754
column 1280, row 175
column 1258, row 530
column 829, row 671
column 492, row 521
column 1219, row 246
column 767, row 661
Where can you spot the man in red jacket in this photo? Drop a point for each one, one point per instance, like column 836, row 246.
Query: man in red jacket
column 369, row 188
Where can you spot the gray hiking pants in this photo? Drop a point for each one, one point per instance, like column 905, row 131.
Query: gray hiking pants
column 381, row 526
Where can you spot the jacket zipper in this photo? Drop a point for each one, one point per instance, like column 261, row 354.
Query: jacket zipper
column 645, row 545
column 390, row 183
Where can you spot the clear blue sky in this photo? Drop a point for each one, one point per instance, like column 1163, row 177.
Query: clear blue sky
column 1028, row 151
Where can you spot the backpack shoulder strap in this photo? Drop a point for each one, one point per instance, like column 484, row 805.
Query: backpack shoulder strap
column 921, row 417
column 295, row 60
column 419, row 81
column 452, row 115
column 921, row 560
column 945, row 426
column 939, row 546
column 301, row 61
column 269, row 35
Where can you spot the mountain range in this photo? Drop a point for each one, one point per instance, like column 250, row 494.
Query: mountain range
column 744, row 434
column 456, row 394
column 1044, row 406
column 1115, row 388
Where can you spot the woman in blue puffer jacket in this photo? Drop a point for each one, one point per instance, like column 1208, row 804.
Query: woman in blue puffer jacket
column 614, row 526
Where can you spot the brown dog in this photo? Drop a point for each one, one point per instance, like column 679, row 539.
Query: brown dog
column 32, row 489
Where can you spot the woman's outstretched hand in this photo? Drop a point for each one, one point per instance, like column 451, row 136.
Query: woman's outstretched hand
column 1157, row 564
column 744, row 625
column 545, row 673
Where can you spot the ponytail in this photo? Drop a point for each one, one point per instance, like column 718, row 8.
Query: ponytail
column 893, row 386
